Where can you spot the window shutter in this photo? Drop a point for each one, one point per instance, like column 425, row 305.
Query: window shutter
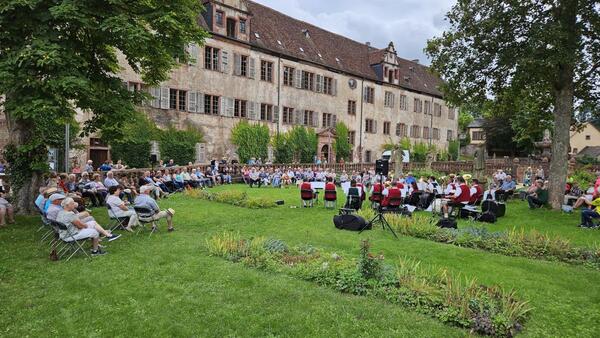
column 320, row 84
column 315, row 119
column 192, row 102
column 334, row 121
column 192, row 50
column 297, row 116
column 334, row 87
column 164, row 98
column 237, row 60
column 365, row 95
column 275, row 114
column 251, row 68
column 155, row 101
column 200, row 103
column 224, row 62
column 223, row 106
column 230, row 106
column 393, row 100
column 252, row 110
column 374, row 126
column 298, row 78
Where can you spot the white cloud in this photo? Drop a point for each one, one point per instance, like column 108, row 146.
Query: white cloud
column 408, row 23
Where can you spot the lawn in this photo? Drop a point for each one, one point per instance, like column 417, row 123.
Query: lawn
column 167, row 285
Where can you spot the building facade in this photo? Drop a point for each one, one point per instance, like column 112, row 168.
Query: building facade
column 586, row 136
column 264, row 66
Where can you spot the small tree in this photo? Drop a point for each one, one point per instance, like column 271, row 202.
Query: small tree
column 342, row 146
column 179, row 145
column 282, row 148
column 303, row 142
column 252, row 140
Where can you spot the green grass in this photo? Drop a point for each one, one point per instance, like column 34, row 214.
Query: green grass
column 167, row 285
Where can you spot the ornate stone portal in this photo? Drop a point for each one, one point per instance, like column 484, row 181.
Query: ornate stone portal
column 325, row 149
column 545, row 146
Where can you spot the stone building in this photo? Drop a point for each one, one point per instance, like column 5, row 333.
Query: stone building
column 264, row 66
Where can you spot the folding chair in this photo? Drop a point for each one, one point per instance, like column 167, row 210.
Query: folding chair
column 145, row 216
column 70, row 244
column 117, row 223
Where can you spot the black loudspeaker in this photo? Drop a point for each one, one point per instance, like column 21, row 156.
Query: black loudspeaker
column 351, row 222
column 280, row 202
column 153, row 158
column 382, row 167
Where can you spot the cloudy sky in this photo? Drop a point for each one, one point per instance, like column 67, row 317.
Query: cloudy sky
column 408, row 23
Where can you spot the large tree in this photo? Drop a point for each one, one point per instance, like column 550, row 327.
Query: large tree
column 509, row 51
column 61, row 56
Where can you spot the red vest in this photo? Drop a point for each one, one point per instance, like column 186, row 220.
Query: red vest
column 330, row 186
column 400, row 186
column 477, row 194
column 362, row 191
column 465, row 194
column 394, row 197
column 376, row 195
column 330, row 192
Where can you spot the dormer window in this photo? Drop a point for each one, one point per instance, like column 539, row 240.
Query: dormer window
column 302, row 49
column 320, row 56
column 257, row 35
column 242, row 26
column 231, row 28
column 219, row 15
column 306, row 34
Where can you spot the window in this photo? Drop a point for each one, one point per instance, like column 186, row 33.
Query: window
column 449, row 135
column 401, row 130
column 369, row 95
column 426, row 132
column 243, row 65
column 288, row 115
column 219, row 18
column 177, row 99
column 211, row 58
column 240, row 108
column 389, row 100
column 436, row 134
column 266, row 71
column 588, row 137
column 575, row 151
column 308, row 80
column 437, row 109
column 478, row 136
column 415, row 131
column 328, row 85
column 427, row 107
column 451, row 113
column 243, row 26
column 231, row 29
column 351, row 137
column 134, row 86
column 418, row 106
column 266, row 112
column 351, row 107
column 403, row 102
column 368, row 156
column 370, row 126
column 288, row 76
column 386, row 127
column 329, row 120
column 211, row 104
column 309, row 119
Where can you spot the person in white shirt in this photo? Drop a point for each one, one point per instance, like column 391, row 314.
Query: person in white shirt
column 119, row 208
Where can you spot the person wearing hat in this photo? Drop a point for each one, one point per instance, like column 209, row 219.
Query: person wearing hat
column 56, row 207
column 76, row 229
column 144, row 200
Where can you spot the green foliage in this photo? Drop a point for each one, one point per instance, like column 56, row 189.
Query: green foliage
column 511, row 243
column 453, row 149
column 464, row 119
column 134, row 148
column 583, row 177
column 342, row 146
column 282, row 149
column 304, row 142
column 47, row 76
column 419, row 152
column 455, row 301
column 252, row 140
column 233, row 197
column 179, row 145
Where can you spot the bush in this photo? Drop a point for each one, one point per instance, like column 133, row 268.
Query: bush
column 512, row 243
column 252, row 140
column 233, row 197
column 135, row 154
column 455, row 301
column 179, row 145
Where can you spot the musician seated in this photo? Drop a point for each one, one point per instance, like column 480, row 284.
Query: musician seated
column 376, row 194
column 451, row 187
column 476, row 193
column 414, row 194
column 393, row 198
column 308, row 194
column 330, row 195
column 431, row 190
column 460, row 198
column 354, row 200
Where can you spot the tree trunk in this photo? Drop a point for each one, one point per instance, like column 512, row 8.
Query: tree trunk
column 398, row 164
column 19, row 134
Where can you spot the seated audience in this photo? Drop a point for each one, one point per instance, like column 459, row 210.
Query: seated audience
column 539, row 196
column 588, row 215
column 119, row 208
column 144, row 200
column 87, row 188
column 254, row 178
column 71, row 218
column 507, row 188
column 7, row 212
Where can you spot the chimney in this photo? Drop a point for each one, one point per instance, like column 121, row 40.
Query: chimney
column 368, row 43
column 415, row 61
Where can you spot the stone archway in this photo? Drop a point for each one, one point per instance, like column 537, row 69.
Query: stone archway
column 325, row 152
column 325, row 145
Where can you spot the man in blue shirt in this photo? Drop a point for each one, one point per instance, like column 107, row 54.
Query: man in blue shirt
column 410, row 179
column 144, row 200
column 506, row 189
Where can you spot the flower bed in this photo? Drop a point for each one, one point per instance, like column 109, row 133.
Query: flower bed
column 233, row 197
column 511, row 243
column 452, row 300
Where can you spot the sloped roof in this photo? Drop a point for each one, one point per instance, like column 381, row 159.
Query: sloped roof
column 591, row 151
column 336, row 51
column 477, row 123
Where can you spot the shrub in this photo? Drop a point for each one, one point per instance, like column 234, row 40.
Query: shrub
column 453, row 300
column 233, row 197
column 252, row 140
column 179, row 145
